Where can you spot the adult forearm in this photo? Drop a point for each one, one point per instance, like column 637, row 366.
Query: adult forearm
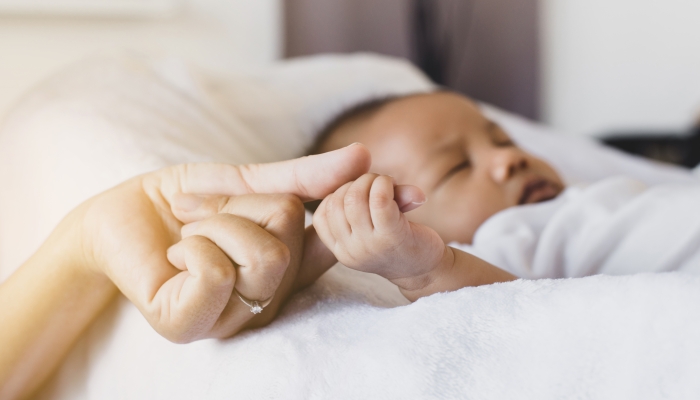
column 457, row 269
column 44, row 307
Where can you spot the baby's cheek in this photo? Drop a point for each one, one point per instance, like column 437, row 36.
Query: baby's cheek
column 459, row 228
column 421, row 215
column 429, row 215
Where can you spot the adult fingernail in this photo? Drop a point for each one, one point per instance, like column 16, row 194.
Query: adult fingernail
column 393, row 180
column 189, row 229
column 187, row 202
column 352, row 144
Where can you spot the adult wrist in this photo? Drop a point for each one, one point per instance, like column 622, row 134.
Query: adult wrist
column 70, row 247
column 49, row 301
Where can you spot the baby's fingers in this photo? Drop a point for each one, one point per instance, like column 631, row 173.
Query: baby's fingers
column 382, row 207
column 329, row 219
column 335, row 213
column 357, row 204
column 320, row 222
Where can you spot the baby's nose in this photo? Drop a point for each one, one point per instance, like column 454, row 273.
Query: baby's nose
column 507, row 163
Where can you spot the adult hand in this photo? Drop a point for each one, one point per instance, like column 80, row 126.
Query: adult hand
column 184, row 288
column 131, row 236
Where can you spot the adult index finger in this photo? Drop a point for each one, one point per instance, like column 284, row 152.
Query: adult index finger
column 309, row 178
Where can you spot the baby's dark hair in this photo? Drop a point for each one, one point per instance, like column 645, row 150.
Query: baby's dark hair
column 361, row 110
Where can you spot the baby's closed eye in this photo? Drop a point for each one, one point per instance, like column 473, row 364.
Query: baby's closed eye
column 459, row 167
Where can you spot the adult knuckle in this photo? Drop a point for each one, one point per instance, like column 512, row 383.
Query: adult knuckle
column 246, row 174
column 299, row 181
column 286, row 209
column 278, row 257
column 289, row 205
column 180, row 171
column 221, row 273
column 196, row 242
column 218, row 267
column 220, row 222
column 221, row 203
column 273, row 257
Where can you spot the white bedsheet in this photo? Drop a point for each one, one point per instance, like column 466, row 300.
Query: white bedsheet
column 350, row 335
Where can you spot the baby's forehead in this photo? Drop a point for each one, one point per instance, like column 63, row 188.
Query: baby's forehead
column 428, row 122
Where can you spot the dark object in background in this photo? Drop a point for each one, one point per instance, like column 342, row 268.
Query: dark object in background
column 486, row 49
column 440, row 42
column 661, row 146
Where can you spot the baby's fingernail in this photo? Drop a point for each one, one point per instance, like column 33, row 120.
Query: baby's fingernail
column 187, row 202
column 393, row 180
column 419, row 202
column 352, row 144
column 189, row 229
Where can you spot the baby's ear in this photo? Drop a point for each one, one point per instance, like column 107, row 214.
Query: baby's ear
column 408, row 197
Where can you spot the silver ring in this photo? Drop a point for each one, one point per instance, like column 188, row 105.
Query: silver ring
column 256, row 306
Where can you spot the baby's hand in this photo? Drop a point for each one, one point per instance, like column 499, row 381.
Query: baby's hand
column 361, row 223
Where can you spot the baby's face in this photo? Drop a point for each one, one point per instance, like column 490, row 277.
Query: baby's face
column 467, row 165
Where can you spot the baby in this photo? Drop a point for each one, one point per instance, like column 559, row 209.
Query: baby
column 462, row 162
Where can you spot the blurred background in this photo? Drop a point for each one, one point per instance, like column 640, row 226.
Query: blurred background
column 619, row 69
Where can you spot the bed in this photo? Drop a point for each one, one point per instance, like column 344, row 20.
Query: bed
column 350, row 335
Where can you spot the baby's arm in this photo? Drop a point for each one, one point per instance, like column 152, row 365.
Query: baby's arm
column 363, row 226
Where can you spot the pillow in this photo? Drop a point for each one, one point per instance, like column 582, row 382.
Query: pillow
column 317, row 89
column 105, row 120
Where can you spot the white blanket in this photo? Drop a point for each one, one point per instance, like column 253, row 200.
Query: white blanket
column 616, row 226
column 350, row 335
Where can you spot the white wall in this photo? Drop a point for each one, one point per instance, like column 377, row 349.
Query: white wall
column 620, row 64
column 218, row 34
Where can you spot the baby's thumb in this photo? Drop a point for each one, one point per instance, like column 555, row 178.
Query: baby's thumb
column 408, row 197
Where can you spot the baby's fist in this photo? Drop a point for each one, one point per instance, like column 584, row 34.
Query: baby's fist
column 364, row 225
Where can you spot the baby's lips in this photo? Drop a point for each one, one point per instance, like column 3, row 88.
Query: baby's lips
column 408, row 197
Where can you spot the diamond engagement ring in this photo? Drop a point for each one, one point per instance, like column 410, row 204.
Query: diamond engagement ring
column 256, row 306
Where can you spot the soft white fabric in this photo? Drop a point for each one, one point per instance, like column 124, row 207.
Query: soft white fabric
column 350, row 335
column 601, row 337
column 615, row 226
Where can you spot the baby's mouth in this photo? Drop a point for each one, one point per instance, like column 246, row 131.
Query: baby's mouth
column 538, row 190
